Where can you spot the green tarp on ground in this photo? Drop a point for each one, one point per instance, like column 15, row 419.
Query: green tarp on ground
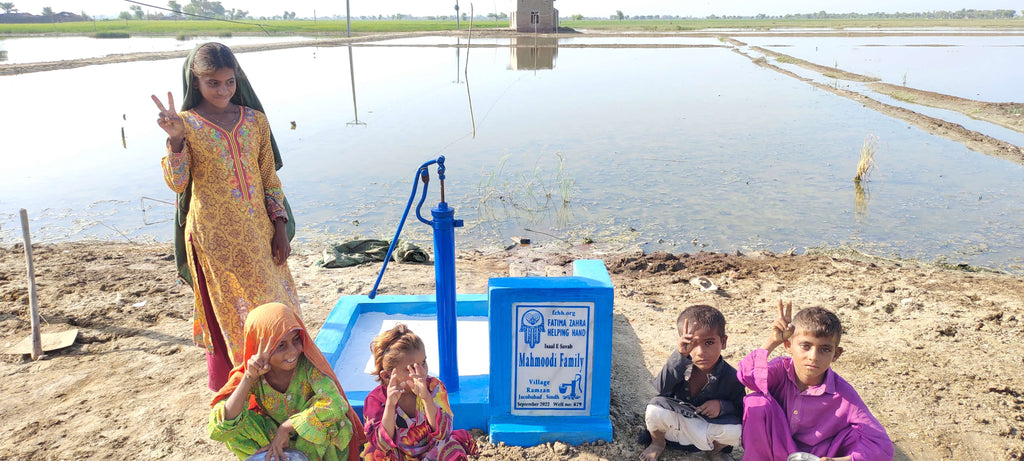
column 356, row 252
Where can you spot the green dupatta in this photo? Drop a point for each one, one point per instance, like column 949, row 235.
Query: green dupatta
column 245, row 96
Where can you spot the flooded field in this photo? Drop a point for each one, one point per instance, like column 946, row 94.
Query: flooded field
column 673, row 143
column 973, row 67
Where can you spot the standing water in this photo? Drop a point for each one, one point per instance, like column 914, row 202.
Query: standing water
column 681, row 148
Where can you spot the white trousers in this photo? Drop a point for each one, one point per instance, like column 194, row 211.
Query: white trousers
column 691, row 431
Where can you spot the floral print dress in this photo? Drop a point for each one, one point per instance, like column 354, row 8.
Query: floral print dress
column 236, row 195
column 414, row 439
column 312, row 403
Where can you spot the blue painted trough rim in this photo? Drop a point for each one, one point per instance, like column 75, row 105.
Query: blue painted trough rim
column 471, row 405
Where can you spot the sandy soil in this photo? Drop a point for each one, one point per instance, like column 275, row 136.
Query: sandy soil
column 934, row 352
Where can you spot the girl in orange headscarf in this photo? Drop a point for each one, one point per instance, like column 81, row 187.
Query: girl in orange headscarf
column 284, row 395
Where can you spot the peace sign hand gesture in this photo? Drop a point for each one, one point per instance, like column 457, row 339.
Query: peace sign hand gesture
column 418, row 378
column 259, row 364
column 686, row 338
column 170, row 121
column 782, row 328
column 396, row 388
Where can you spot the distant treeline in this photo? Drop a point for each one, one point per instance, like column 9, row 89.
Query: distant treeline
column 26, row 18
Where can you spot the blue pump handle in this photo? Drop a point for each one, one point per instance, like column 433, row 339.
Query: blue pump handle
column 423, row 173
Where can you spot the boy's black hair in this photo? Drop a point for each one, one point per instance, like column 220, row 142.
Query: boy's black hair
column 820, row 322
column 701, row 316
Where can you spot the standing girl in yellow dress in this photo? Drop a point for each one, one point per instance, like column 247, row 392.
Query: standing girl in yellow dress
column 232, row 236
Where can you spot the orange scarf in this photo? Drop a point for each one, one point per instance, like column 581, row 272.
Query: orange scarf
column 274, row 321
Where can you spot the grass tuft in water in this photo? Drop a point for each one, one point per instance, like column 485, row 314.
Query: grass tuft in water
column 527, row 195
column 867, row 158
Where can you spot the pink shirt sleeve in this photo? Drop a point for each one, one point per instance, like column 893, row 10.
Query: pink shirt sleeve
column 756, row 372
column 872, row 442
column 380, row 442
column 827, row 417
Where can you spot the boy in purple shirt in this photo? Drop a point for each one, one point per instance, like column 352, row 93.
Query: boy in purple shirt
column 800, row 404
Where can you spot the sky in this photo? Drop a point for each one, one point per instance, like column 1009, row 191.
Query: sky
column 566, row 8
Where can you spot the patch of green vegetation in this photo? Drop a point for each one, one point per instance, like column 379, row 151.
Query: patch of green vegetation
column 338, row 27
column 903, row 96
column 783, row 59
column 111, row 35
column 1015, row 111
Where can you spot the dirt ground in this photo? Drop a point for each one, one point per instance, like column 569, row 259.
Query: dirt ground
column 934, row 352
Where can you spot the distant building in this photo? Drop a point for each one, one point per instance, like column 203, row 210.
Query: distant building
column 534, row 16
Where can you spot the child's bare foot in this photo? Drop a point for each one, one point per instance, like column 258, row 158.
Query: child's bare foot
column 653, row 451
column 716, row 453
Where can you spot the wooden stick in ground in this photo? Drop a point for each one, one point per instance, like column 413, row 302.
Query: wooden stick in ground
column 37, row 342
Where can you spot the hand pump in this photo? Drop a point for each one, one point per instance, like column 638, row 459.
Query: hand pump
column 444, row 224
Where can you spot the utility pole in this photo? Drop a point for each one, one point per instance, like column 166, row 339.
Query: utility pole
column 348, row 20
column 457, row 15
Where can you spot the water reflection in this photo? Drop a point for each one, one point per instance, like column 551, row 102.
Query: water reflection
column 469, row 95
column 458, row 60
column 352, row 78
column 533, row 53
column 709, row 155
column 861, row 197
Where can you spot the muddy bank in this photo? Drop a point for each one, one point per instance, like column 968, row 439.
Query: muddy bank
column 1005, row 114
column 24, row 68
column 934, row 352
column 830, row 72
column 1002, row 114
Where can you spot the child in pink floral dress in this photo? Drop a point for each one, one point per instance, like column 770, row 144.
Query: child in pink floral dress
column 408, row 416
